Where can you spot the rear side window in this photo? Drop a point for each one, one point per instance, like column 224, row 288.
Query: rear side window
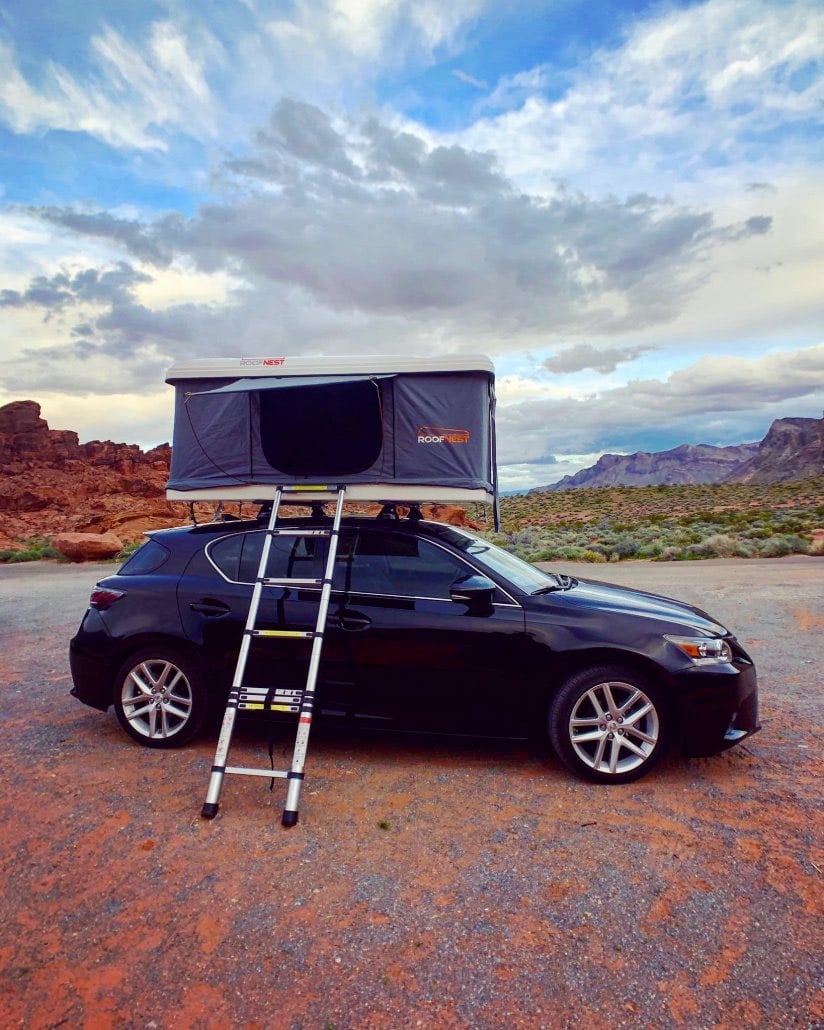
column 237, row 557
column 147, row 558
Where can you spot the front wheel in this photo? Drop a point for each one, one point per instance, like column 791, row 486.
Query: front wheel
column 159, row 697
column 608, row 724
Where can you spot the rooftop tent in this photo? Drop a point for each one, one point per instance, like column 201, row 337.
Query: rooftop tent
column 391, row 429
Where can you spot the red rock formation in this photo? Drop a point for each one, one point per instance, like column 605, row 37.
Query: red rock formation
column 87, row 546
column 51, row 483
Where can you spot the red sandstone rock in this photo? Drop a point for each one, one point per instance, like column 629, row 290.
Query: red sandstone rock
column 87, row 546
column 50, row 483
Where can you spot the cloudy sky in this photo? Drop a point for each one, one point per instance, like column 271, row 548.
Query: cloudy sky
column 621, row 202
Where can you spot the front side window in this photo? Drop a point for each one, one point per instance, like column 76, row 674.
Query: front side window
column 400, row 565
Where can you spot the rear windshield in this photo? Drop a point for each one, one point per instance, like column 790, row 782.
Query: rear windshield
column 147, row 558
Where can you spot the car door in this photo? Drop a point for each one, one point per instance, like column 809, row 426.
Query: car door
column 214, row 597
column 419, row 658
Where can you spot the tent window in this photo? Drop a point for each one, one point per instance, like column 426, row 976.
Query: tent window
column 334, row 429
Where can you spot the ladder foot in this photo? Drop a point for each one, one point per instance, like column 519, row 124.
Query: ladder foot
column 289, row 819
column 209, row 810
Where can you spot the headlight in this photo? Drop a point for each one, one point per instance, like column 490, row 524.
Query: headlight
column 703, row 650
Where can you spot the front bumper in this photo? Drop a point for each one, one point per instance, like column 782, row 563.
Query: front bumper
column 717, row 707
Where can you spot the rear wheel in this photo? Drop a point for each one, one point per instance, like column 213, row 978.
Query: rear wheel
column 159, row 697
column 608, row 724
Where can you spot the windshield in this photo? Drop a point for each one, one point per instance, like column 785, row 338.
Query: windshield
column 516, row 571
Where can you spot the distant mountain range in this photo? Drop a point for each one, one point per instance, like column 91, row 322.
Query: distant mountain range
column 792, row 449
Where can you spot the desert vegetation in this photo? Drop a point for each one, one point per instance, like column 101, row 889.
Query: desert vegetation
column 665, row 523
column 33, row 548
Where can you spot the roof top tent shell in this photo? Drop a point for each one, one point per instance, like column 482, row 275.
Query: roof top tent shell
column 391, row 429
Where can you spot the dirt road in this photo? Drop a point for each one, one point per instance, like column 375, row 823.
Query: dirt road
column 432, row 883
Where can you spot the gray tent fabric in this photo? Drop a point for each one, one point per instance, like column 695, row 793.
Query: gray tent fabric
column 406, row 428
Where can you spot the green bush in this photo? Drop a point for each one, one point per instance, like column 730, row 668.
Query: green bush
column 35, row 548
column 780, row 545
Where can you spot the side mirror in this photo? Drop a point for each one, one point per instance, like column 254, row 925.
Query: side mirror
column 475, row 591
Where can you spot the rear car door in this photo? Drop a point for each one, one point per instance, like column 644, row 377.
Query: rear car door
column 214, row 597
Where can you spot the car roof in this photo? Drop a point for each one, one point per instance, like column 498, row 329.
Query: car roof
column 381, row 523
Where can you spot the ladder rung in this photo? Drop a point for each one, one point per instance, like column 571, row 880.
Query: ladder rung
column 286, row 709
column 286, row 581
column 262, row 706
column 289, row 633
column 300, row 532
column 239, row 770
column 278, row 694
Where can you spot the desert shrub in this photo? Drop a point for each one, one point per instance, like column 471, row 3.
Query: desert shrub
column 35, row 548
column 817, row 546
column 651, row 551
column 720, row 545
column 625, row 546
column 782, row 544
column 758, row 533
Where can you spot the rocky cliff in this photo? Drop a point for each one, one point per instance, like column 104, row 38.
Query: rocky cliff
column 50, row 482
column 792, row 449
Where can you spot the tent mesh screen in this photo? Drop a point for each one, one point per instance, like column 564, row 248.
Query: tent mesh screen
column 333, row 429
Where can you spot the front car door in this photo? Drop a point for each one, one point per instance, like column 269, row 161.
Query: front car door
column 420, row 659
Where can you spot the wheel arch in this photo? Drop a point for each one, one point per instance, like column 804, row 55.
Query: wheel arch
column 571, row 662
column 140, row 642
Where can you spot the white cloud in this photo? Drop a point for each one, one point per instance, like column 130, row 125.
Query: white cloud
column 128, row 99
column 690, row 88
column 470, row 80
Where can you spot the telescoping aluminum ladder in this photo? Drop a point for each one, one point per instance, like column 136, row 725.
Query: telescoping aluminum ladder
column 269, row 699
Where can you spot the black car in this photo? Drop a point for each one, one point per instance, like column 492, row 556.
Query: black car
column 429, row 628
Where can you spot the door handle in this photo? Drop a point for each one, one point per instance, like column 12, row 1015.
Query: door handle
column 209, row 607
column 350, row 622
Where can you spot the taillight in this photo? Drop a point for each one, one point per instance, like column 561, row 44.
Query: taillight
column 104, row 597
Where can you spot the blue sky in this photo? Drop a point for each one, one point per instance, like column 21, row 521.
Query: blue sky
column 621, row 203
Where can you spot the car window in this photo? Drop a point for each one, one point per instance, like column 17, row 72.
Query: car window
column 367, row 563
column 225, row 554
column 290, row 557
column 405, row 566
column 514, row 570
column 147, row 558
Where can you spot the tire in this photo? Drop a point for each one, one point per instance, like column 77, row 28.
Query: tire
column 160, row 698
column 608, row 724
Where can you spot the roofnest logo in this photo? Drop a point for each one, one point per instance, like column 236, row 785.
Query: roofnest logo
column 438, row 434
column 265, row 362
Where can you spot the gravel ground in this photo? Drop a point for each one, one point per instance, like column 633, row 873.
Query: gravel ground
column 430, row 882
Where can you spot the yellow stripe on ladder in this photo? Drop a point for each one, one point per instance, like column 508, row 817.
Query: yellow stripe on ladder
column 296, row 633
